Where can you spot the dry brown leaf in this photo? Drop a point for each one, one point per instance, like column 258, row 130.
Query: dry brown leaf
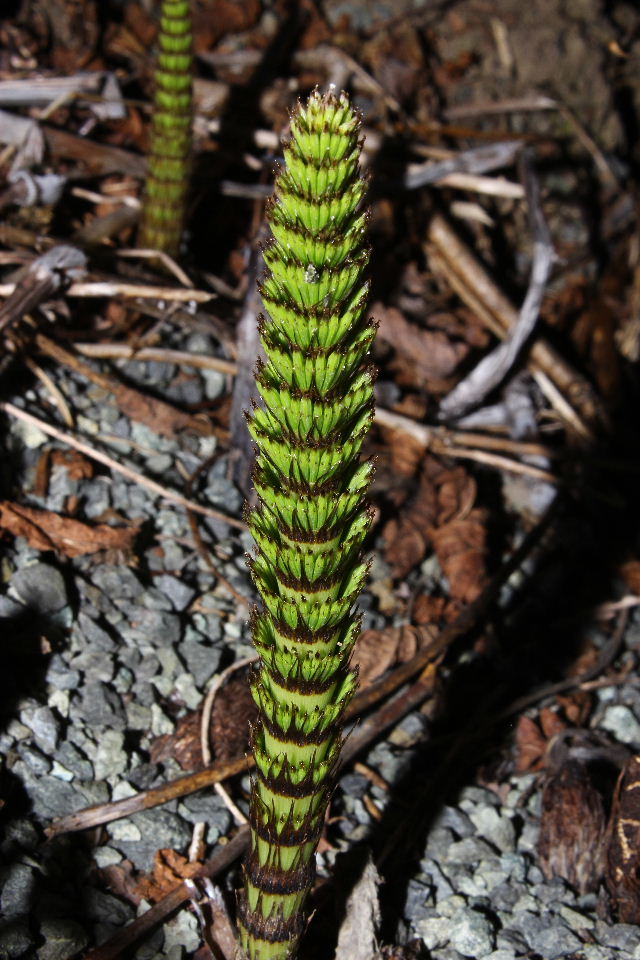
column 45, row 530
column 183, row 745
column 169, row 870
column 213, row 19
column 436, row 610
column 441, row 514
column 630, row 573
column 531, row 746
column 159, row 416
column 378, row 650
column 405, row 546
column 461, row 549
column 551, row 722
column 426, row 354
column 407, row 536
column 233, row 710
column 576, row 707
column 75, row 463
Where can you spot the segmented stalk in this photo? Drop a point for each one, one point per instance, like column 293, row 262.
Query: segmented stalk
column 312, row 516
column 168, row 168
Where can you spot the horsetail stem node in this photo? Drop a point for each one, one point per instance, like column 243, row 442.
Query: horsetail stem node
column 312, row 515
column 163, row 208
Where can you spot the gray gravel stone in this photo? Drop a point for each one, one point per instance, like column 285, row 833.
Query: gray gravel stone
column 60, row 675
column 15, row 940
column 101, row 706
column 41, row 588
column 456, row 820
column 50, row 796
column 468, row 852
column 96, row 664
column 621, row 722
column 18, row 884
column 117, row 582
column 156, row 599
column 419, row 899
column 509, row 939
column 44, row 724
column 472, row 933
column 548, row 937
column 435, row 876
column 69, row 756
column 622, row 936
column 63, row 939
column 93, row 635
column 497, row 829
column 435, row 932
column 157, row 828
column 35, row 759
column 201, row 659
column 107, row 908
column 182, row 931
column 208, row 809
column 439, row 842
column 177, row 592
column 138, row 716
column 154, row 627
column 19, row 836
column 110, row 759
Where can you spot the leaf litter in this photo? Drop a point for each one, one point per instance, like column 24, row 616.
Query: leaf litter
column 433, row 92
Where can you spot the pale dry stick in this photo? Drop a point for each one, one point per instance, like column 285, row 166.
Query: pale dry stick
column 558, row 401
column 139, row 291
column 11, row 410
column 512, row 105
column 606, row 611
column 205, row 730
column 503, row 463
column 451, row 443
column 156, row 414
column 490, row 186
column 168, row 262
column 198, row 841
column 102, row 198
column 493, row 369
column 451, row 257
column 121, row 351
column 55, row 392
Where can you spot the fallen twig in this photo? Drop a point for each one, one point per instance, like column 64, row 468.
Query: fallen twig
column 122, row 351
column 468, row 278
column 223, row 857
column 45, row 276
column 140, row 291
column 493, row 368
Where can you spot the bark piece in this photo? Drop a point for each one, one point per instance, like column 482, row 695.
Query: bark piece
column 623, row 845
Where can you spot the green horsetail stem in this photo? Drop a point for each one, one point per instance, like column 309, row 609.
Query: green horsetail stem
column 312, row 515
column 168, row 169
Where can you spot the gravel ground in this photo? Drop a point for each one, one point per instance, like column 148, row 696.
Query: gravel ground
column 123, row 651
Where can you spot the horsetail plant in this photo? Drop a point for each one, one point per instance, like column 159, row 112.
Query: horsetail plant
column 163, row 208
column 312, row 515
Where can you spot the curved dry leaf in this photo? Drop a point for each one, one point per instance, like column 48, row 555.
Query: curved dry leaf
column 45, row 530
